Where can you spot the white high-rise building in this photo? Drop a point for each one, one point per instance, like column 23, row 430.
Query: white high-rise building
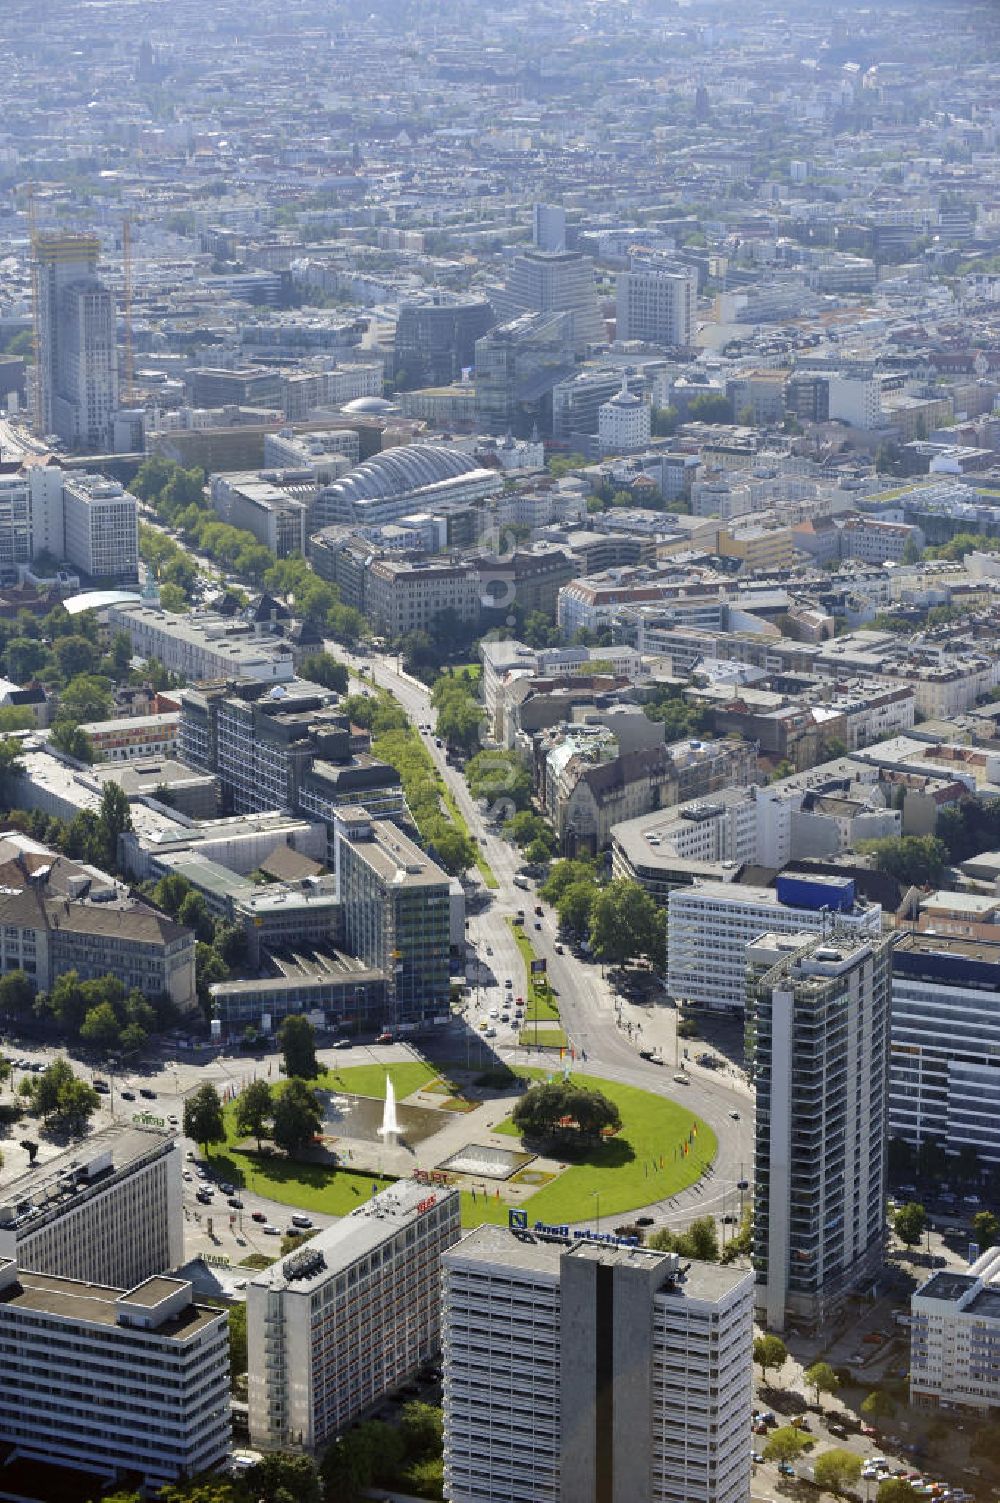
column 83, row 519
column 111, row 1381
column 548, row 227
column 818, row 1039
column 656, row 301
column 590, row 1371
column 624, row 422
column 350, row 1316
column 109, row 1211
column 955, row 1337
column 101, row 527
column 710, row 924
column 945, row 1039
column 854, row 399
column 77, row 357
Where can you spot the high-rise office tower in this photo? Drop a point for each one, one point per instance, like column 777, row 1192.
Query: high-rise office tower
column 818, row 1038
column 349, row 1317
column 77, row 353
column 583, row 1371
column 548, row 227
column 542, row 281
column 656, row 301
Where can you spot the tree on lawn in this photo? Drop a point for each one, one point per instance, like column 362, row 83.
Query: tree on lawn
column 769, row 1351
column 821, row 1378
column 784, row 1444
column 203, row 1120
column 563, row 1108
column 836, row 1471
column 298, row 1117
column 254, row 1109
column 297, row 1040
column 909, row 1223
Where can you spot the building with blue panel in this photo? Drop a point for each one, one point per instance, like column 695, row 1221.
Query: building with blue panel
column 945, row 1056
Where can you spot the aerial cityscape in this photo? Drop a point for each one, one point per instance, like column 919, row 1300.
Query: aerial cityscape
column 500, row 751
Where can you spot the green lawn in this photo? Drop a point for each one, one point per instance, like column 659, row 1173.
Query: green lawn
column 369, row 1080
column 540, row 1003
column 625, row 1171
column 543, row 1038
column 313, row 1187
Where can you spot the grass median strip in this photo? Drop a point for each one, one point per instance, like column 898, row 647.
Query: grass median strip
column 482, row 865
column 539, row 998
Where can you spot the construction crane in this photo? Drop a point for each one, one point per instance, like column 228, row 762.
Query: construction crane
column 129, row 396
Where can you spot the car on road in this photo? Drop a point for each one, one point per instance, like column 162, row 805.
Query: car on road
column 341, row 1044
column 757, row 1456
column 681, row 1078
column 494, row 1012
column 646, row 1053
column 538, row 910
column 505, row 1016
column 489, row 1031
column 147, row 1093
column 786, row 1469
column 644, row 1221
column 204, row 1196
column 728, row 1220
column 101, row 1087
column 489, row 949
column 742, row 1184
column 735, row 1116
column 235, row 1202
column 509, row 984
column 537, row 924
column 186, row 1174
column 300, row 1220
column 559, row 949
column 127, row 1095
column 173, row 1122
column 384, row 1038
column 226, row 1188
column 270, row 1231
column 258, row 1216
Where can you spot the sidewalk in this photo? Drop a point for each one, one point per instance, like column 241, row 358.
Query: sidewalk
column 653, row 1025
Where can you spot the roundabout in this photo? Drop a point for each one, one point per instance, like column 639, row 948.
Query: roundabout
column 455, row 1132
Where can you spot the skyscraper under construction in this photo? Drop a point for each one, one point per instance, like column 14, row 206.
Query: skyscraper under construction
column 77, row 390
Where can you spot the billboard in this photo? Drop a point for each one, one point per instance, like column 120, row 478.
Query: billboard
column 539, row 967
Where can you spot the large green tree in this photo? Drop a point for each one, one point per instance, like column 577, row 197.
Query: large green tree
column 203, row 1120
column 297, row 1041
column 254, row 1109
column 784, row 1444
column 909, row 1223
column 298, row 1117
column 769, row 1351
column 566, row 1109
column 821, row 1378
column 284, row 1478
column 836, row 1471
column 626, row 923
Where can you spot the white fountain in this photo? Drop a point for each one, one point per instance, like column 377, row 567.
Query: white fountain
column 390, row 1126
